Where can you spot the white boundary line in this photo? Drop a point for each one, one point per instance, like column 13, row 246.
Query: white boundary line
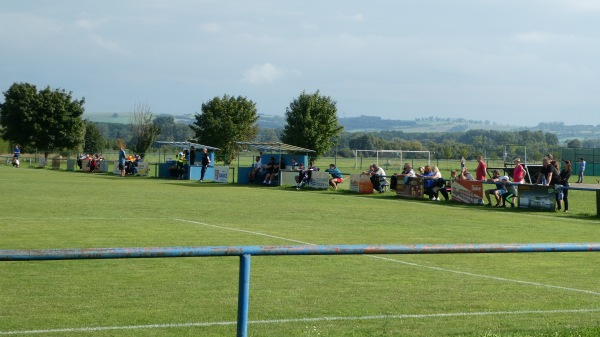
column 301, row 320
column 488, row 276
column 595, row 293
column 244, row 231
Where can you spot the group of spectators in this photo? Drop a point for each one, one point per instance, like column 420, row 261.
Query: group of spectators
column 93, row 161
column 551, row 175
column 504, row 191
column 268, row 172
column 185, row 159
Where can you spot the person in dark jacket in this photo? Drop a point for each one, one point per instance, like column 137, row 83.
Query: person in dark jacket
column 563, row 180
column 205, row 162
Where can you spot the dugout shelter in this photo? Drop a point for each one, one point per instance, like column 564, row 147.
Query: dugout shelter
column 281, row 151
column 193, row 171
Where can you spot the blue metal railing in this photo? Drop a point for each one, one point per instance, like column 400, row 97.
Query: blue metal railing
column 245, row 253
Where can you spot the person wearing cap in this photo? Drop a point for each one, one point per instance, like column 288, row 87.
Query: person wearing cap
column 511, row 192
column 519, row 172
column 499, row 190
column 563, row 179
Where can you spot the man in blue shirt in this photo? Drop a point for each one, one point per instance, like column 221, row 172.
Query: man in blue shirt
column 17, row 152
column 581, row 170
column 122, row 157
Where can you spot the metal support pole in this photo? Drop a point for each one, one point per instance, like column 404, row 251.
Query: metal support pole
column 598, row 203
column 243, row 295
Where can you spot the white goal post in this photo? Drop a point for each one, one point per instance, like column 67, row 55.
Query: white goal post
column 398, row 154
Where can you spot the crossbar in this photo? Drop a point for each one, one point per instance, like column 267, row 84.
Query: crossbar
column 245, row 253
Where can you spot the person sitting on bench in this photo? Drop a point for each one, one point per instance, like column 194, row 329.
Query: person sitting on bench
column 428, row 182
column 510, row 194
column 305, row 175
column 378, row 178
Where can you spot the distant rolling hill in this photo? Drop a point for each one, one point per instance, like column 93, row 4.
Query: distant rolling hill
column 375, row 124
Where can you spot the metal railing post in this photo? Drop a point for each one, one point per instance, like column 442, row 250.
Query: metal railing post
column 243, row 295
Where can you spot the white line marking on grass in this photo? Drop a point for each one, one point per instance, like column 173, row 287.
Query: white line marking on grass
column 410, row 263
column 487, row 276
column 302, row 320
column 244, row 231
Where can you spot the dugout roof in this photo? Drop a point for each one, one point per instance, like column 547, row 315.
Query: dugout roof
column 274, row 146
column 187, row 145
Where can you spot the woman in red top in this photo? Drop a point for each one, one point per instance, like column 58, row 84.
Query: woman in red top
column 519, row 173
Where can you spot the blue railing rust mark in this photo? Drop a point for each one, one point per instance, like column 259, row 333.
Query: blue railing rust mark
column 245, row 253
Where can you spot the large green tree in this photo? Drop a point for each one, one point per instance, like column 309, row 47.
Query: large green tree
column 225, row 120
column 93, row 140
column 49, row 119
column 312, row 122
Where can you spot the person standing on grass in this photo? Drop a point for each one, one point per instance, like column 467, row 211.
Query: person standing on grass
column 122, row 157
column 581, row 170
column 17, row 152
column 551, row 174
column 519, row 172
column 563, row 179
column 205, row 162
column 192, row 155
column 481, row 170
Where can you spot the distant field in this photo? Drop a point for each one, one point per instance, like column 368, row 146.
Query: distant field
column 554, row 294
column 123, row 117
column 107, row 117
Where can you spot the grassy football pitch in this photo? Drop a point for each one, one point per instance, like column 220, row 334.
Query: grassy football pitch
column 542, row 294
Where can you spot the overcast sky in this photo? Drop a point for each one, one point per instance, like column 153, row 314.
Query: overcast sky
column 515, row 62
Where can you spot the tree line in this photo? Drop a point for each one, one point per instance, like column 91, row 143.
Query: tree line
column 454, row 145
column 51, row 120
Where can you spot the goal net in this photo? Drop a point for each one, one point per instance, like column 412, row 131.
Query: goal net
column 390, row 159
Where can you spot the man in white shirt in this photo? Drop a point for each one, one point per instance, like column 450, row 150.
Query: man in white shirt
column 257, row 167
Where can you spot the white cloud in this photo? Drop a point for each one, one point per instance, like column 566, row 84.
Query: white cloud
column 22, row 26
column 555, row 39
column 105, row 43
column 581, row 5
column 210, row 27
column 86, row 24
column 537, row 37
column 262, row 74
column 358, row 17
